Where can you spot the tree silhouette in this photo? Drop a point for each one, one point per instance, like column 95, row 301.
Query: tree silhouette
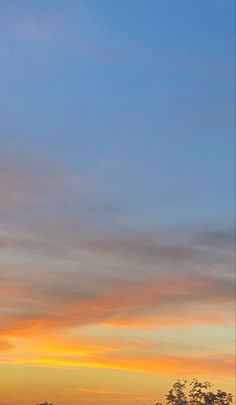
column 198, row 394
column 177, row 395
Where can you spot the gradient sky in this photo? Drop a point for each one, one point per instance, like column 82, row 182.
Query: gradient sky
column 116, row 198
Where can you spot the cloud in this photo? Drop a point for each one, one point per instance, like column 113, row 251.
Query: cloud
column 216, row 237
column 38, row 304
column 159, row 365
column 46, row 314
column 56, row 349
column 62, row 274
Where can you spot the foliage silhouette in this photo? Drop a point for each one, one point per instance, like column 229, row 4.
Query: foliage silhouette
column 198, row 394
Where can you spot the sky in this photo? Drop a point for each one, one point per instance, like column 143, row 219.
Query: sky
column 116, row 199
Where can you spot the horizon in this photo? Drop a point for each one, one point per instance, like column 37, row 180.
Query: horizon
column 117, row 205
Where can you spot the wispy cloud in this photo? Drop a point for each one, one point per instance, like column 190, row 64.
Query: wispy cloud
column 61, row 275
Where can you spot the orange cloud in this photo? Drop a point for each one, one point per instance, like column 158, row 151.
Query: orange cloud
column 171, row 301
column 160, row 365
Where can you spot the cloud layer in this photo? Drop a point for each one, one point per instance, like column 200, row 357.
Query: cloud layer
column 62, row 276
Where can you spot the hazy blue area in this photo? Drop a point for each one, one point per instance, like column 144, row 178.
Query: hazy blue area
column 136, row 95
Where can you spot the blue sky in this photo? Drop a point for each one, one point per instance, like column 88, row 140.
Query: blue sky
column 137, row 94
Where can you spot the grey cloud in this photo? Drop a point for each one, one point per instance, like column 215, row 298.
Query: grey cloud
column 216, row 237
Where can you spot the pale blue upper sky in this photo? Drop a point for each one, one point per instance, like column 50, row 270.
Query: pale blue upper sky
column 136, row 95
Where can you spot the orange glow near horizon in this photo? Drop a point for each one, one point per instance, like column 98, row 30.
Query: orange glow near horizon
column 157, row 330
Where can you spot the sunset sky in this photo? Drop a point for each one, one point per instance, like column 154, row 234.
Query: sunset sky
column 116, row 199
